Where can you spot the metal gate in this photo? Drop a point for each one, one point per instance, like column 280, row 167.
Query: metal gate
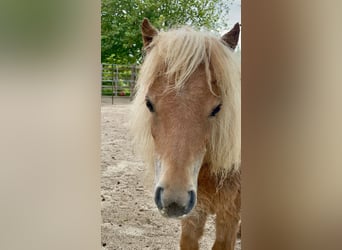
column 119, row 80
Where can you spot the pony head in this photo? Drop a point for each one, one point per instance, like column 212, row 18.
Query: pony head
column 186, row 113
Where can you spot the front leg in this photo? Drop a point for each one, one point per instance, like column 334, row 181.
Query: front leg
column 192, row 230
column 227, row 227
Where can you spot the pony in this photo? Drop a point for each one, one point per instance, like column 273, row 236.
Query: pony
column 186, row 124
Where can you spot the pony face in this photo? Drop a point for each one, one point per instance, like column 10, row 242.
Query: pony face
column 181, row 124
column 186, row 112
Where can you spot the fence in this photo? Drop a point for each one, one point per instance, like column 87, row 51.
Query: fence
column 119, row 80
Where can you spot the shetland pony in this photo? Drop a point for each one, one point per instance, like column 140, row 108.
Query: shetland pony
column 186, row 125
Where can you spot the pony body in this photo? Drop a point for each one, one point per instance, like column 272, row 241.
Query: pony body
column 186, row 125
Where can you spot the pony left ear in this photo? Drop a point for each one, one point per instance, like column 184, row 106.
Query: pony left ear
column 148, row 32
column 231, row 38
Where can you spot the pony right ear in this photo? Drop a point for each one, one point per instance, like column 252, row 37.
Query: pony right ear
column 148, row 32
column 231, row 38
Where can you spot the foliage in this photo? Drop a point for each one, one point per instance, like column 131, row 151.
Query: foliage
column 121, row 41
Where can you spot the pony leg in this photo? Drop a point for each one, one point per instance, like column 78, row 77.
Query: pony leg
column 227, row 227
column 192, row 231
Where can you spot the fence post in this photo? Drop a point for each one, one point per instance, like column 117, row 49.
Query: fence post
column 116, row 80
column 132, row 82
column 112, row 83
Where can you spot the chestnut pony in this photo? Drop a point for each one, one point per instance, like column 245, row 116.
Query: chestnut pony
column 186, row 124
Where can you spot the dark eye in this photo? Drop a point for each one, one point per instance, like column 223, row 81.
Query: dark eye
column 216, row 110
column 149, row 105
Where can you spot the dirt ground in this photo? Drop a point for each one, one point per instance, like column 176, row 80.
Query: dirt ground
column 130, row 219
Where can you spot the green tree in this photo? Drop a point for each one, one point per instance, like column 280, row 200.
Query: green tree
column 121, row 41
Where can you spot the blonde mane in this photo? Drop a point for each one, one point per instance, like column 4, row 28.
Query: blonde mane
column 177, row 54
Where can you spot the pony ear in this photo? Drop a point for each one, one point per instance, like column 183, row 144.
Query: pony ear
column 231, row 38
column 148, row 32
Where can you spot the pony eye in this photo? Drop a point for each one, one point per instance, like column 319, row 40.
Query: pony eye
column 216, row 110
column 149, row 105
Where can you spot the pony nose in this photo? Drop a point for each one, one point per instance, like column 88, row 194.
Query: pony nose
column 173, row 207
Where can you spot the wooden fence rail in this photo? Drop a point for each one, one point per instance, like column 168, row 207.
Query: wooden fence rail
column 119, row 80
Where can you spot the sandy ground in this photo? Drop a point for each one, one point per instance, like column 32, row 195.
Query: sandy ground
column 130, row 219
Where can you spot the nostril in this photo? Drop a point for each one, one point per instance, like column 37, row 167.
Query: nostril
column 157, row 197
column 192, row 201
